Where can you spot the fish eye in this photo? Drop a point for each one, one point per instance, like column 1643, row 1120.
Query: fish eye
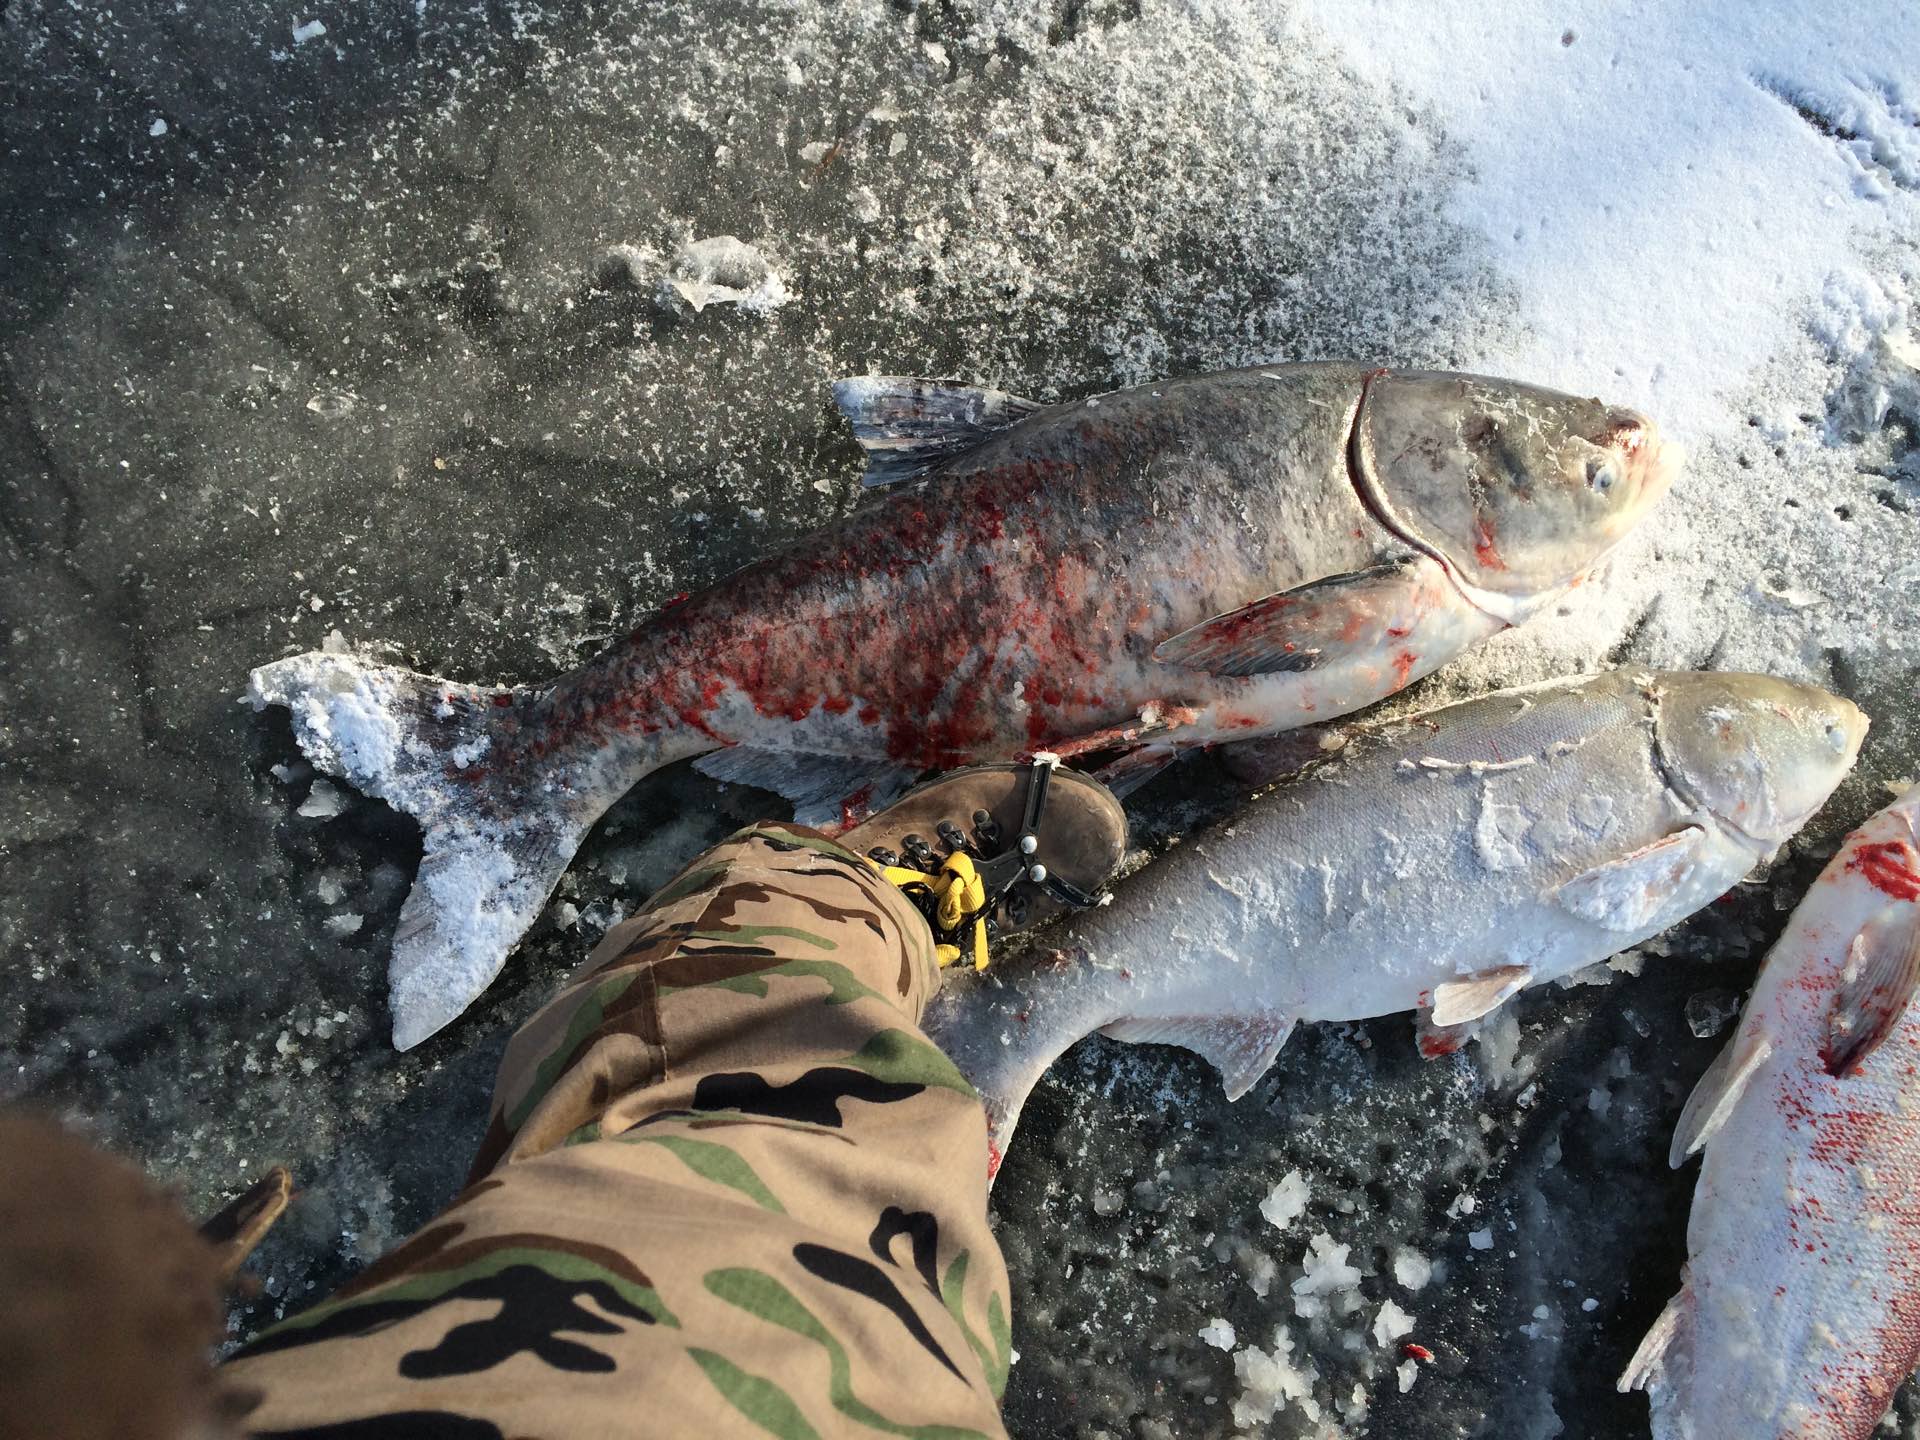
column 1600, row 476
column 1837, row 738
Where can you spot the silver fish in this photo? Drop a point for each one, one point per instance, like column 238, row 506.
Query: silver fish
column 1800, row 1314
column 1212, row 558
column 1441, row 862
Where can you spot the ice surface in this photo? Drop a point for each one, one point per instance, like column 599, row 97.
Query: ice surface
column 453, row 236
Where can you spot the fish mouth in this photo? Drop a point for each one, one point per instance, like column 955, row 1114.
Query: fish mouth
column 1507, row 609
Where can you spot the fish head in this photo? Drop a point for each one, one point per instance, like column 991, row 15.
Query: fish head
column 1761, row 754
column 1517, row 489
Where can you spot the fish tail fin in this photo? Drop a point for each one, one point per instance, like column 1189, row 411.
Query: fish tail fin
column 997, row 1035
column 496, row 839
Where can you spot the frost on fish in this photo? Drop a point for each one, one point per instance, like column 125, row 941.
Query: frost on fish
column 493, row 849
column 1295, row 911
column 1799, row 1311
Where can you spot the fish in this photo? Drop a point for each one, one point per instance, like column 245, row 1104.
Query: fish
column 1441, row 862
column 1799, row 1314
column 1138, row 573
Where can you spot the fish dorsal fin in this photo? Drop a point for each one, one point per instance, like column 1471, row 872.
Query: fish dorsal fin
column 1629, row 891
column 825, row 789
column 1650, row 1357
column 1716, row 1094
column 1361, row 612
column 908, row 427
column 1240, row 1047
column 1876, row 984
column 1457, row 1001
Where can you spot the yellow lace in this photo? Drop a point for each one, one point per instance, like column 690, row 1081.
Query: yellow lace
column 958, row 893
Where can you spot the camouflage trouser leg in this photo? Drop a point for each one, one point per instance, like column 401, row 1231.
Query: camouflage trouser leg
column 729, row 1188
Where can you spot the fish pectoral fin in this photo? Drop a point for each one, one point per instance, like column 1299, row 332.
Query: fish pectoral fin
column 1240, row 1047
column 1136, row 768
column 824, row 789
column 908, row 427
column 1650, row 1357
column 1627, row 892
column 1717, row 1092
column 1339, row 617
column 1876, row 984
column 1457, row 1001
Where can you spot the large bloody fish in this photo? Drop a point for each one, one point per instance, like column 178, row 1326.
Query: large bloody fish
column 1799, row 1312
column 1219, row 557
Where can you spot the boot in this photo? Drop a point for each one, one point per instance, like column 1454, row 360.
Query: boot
column 996, row 849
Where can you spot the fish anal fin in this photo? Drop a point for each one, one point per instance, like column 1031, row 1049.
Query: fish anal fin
column 908, row 427
column 829, row 792
column 1457, row 1001
column 1240, row 1047
column 1717, row 1092
column 1650, row 1357
column 1629, row 891
column 1876, row 986
column 1360, row 613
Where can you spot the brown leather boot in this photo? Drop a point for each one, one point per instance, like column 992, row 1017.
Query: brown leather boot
column 1042, row 839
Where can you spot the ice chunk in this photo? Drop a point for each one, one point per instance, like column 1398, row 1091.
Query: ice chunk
column 1480, row 1239
column 1709, row 1012
column 723, row 270
column 1411, row 1268
column 1218, row 1333
column 1287, row 1201
column 1269, row 1379
column 1407, row 1373
column 323, row 802
column 341, row 926
column 1260, row 1279
column 310, row 30
column 1327, row 1273
column 1390, row 1324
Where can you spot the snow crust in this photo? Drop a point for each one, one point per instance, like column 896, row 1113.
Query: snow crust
column 1615, row 154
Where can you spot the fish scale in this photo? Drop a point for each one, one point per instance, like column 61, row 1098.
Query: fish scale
column 1196, row 560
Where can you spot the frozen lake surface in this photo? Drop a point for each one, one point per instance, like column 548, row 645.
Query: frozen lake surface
column 391, row 323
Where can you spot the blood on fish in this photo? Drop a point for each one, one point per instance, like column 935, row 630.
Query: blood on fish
column 1484, row 548
column 993, row 1159
column 1889, row 867
column 1403, row 663
column 856, row 807
column 1413, row 1351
